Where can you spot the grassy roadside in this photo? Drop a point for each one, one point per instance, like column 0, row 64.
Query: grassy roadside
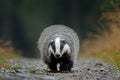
column 106, row 45
column 7, row 52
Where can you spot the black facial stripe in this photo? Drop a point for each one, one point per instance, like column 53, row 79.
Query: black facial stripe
column 53, row 45
column 62, row 43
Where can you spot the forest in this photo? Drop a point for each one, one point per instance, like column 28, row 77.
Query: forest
column 22, row 21
column 96, row 22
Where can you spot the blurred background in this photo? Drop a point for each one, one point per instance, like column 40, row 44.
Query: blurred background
column 22, row 21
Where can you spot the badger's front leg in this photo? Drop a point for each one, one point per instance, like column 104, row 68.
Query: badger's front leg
column 52, row 66
column 55, row 67
column 66, row 65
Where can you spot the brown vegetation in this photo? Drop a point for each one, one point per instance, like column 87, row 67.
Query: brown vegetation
column 7, row 52
column 106, row 45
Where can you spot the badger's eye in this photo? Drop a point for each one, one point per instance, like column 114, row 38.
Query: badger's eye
column 51, row 52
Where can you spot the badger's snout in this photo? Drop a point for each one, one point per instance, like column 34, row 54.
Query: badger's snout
column 57, row 55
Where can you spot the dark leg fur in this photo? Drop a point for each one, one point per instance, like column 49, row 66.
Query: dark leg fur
column 52, row 66
column 65, row 63
column 66, row 66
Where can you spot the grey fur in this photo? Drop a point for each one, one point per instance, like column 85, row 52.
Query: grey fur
column 54, row 31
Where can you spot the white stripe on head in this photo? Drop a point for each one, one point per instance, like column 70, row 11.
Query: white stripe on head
column 66, row 49
column 57, row 45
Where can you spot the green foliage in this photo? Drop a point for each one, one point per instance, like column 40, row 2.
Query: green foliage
column 33, row 70
column 107, row 5
column 114, row 59
column 4, row 63
column 16, row 68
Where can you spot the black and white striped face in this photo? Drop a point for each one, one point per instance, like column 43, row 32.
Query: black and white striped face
column 58, row 47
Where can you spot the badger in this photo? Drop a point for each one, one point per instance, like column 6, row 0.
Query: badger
column 59, row 47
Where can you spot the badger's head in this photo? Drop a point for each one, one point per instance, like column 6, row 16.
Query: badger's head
column 58, row 47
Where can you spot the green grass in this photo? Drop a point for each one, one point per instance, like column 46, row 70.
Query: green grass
column 113, row 58
column 4, row 63
column 6, row 53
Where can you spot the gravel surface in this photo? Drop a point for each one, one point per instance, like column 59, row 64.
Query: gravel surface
column 85, row 69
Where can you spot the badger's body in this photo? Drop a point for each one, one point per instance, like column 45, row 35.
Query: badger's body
column 59, row 39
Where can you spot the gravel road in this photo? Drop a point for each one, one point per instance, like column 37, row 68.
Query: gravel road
column 85, row 69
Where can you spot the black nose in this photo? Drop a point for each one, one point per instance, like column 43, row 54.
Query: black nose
column 57, row 55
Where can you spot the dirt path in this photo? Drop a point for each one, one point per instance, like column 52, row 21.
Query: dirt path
column 85, row 69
